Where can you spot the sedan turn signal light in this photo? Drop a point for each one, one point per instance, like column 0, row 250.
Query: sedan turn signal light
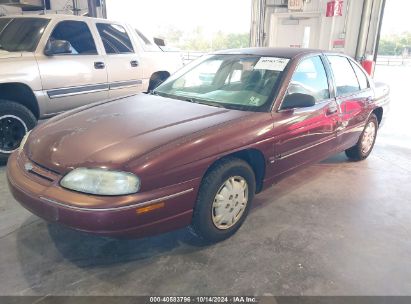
column 150, row 208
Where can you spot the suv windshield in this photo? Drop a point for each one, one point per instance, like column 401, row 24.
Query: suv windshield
column 242, row 82
column 21, row 34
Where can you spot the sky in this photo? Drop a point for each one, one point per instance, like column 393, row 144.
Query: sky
column 397, row 18
column 231, row 16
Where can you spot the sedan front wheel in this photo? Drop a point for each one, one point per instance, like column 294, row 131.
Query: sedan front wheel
column 224, row 199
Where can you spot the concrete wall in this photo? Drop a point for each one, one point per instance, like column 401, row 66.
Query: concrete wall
column 9, row 10
column 66, row 6
column 286, row 28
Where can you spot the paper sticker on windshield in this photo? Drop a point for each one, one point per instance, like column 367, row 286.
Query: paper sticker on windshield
column 271, row 63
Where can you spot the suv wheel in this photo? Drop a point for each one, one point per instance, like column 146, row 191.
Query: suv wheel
column 15, row 121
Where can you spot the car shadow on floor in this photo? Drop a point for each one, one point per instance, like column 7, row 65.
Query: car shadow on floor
column 45, row 251
column 86, row 250
column 41, row 243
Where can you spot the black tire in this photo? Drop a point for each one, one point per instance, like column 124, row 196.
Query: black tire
column 356, row 152
column 156, row 80
column 20, row 119
column 202, row 224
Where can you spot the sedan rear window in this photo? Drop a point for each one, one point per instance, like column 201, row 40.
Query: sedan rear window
column 345, row 78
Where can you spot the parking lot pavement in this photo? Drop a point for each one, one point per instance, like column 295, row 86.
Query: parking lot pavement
column 335, row 228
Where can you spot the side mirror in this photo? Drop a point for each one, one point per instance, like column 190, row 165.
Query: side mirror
column 298, row 100
column 55, row 47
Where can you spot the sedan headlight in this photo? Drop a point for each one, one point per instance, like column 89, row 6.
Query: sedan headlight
column 101, row 182
column 23, row 141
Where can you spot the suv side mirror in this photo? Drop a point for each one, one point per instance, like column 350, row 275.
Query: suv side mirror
column 298, row 100
column 55, row 47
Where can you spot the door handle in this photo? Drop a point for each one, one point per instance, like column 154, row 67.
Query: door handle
column 99, row 65
column 134, row 63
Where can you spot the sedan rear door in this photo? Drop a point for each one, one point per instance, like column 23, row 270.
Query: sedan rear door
column 354, row 97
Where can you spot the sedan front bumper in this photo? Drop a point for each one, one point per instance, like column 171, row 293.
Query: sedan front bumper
column 109, row 216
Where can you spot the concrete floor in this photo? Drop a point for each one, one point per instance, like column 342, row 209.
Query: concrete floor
column 336, row 228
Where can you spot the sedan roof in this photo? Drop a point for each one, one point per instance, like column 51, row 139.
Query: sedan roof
column 270, row 52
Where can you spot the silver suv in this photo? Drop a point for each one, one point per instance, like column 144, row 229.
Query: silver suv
column 53, row 63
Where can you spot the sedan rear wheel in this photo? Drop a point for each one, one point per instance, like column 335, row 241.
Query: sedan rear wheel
column 366, row 142
column 368, row 138
column 224, row 199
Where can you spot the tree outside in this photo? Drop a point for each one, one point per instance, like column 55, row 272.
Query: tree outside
column 395, row 45
column 197, row 40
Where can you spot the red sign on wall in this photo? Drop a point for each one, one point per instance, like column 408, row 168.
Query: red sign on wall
column 339, row 44
column 334, row 8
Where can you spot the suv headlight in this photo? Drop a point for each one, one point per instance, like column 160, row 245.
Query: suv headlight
column 23, row 141
column 101, row 182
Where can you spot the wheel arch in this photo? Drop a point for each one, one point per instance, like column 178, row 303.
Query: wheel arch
column 22, row 94
column 158, row 74
column 379, row 113
column 254, row 157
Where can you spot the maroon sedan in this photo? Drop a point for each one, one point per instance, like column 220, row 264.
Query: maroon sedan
column 198, row 148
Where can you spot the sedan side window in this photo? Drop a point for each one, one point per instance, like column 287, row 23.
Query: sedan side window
column 115, row 39
column 310, row 78
column 79, row 36
column 345, row 78
column 362, row 79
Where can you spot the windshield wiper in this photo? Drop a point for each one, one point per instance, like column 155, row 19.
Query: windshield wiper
column 161, row 94
column 204, row 102
column 188, row 99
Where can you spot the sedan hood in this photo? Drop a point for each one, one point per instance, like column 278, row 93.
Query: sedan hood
column 114, row 133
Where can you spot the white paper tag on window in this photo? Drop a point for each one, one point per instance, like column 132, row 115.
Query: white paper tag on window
column 271, row 63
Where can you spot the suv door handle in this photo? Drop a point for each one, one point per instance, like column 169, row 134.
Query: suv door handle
column 134, row 63
column 99, row 65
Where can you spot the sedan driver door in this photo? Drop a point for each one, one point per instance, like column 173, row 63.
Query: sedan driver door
column 306, row 133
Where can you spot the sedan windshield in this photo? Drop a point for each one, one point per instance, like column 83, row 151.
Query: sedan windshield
column 243, row 82
column 21, row 34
